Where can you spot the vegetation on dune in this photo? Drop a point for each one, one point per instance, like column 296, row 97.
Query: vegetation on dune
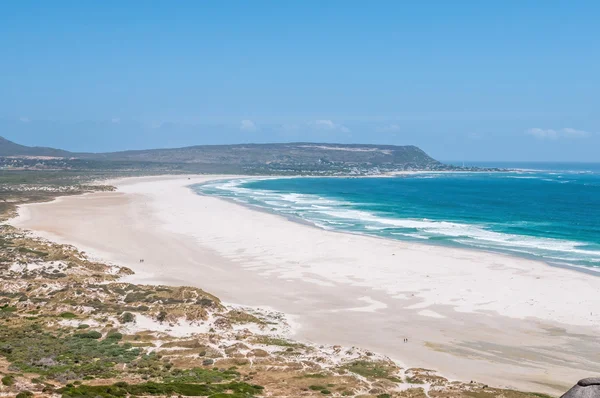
column 267, row 340
column 373, row 369
column 229, row 390
column 201, row 375
column 69, row 357
column 69, row 327
column 68, row 315
column 8, row 380
column 64, row 357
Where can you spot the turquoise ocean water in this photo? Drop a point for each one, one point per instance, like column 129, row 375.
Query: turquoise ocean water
column 547, row 211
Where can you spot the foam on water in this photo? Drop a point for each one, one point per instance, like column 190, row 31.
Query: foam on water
column 345, row 211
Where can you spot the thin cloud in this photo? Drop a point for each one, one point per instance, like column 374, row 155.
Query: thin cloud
column 576, row 133
column 248, row 125
column 24, row 119
column 542, row 133
column 325, row 124
column 550, row 134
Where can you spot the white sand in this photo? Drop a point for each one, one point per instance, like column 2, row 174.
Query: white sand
column 470, row 314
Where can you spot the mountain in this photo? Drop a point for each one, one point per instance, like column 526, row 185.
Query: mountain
column 291, row 153
column 288, row 158
column 9, row 148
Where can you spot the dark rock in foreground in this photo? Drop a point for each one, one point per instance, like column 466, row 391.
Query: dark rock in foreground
column 585, row 388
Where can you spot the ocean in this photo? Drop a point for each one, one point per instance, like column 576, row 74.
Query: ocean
column 546, row 211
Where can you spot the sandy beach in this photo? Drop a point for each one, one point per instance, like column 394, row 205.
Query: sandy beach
column 472, row 315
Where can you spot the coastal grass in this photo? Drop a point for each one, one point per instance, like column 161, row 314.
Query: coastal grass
column 229, row 390
column 266, row 340
column 64, row 357
column 236, row 316
column 314, row 376
column 201, row 375
column 70, row 355
column 376, row 370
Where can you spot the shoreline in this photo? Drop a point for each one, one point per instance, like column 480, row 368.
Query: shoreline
column 476, row 344
column 450, row 245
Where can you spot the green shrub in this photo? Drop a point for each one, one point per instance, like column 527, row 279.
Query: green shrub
column 204, row 302
column 92, row 334
column 162, row 316
column 24, row 394
column 68, row 315
column 83, row 326
column 139, row 296
column 127, row 317
column 8, row 380
column 68, row 357
column 229, row 390
column 266, row 340
column 114, row 335
column 200, row 375
column 372, row 369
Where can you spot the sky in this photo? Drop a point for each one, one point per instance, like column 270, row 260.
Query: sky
column 463, row 80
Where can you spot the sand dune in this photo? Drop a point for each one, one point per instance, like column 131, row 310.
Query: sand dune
column 472, row 315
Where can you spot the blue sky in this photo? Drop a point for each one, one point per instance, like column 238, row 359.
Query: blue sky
column 464, row 80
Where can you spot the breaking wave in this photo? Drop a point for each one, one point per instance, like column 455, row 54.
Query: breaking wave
column 336, row 213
